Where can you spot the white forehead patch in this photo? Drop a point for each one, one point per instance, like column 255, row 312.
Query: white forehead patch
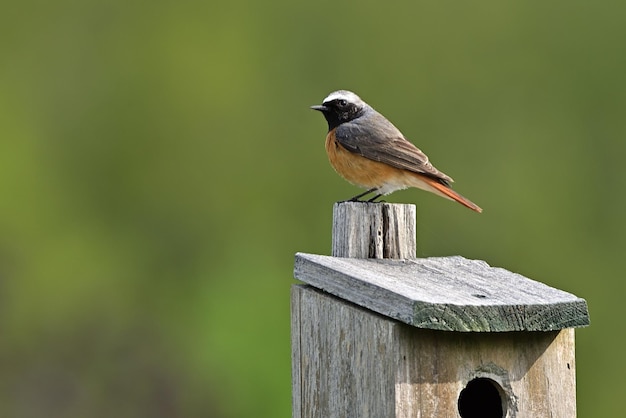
column 343, row 94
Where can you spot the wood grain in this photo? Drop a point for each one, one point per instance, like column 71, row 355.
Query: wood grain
column 445, row 293
column 373, row 230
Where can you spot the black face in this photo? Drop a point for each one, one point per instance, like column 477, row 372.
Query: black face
column 339, row 111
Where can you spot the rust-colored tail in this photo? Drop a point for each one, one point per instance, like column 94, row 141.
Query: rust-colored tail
column 445, row 191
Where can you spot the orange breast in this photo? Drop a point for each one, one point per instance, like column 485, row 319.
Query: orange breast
column 359, row 170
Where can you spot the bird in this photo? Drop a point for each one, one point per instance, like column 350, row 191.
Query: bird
column 368, row 151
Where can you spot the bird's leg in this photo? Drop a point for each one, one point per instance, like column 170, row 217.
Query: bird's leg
column 356, row 198
column 374, row 198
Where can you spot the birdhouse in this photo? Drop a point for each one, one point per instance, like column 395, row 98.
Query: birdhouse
column 378, row 333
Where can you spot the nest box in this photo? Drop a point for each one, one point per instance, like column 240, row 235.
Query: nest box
column 379, row 333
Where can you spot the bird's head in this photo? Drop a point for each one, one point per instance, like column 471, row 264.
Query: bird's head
column 341, row 106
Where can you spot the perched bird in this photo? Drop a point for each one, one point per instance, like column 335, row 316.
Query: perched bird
column 370, row 152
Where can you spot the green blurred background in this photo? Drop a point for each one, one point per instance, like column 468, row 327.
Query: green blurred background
column 159, row 168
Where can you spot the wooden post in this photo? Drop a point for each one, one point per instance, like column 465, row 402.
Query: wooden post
column 373, row 230
column 434, row 337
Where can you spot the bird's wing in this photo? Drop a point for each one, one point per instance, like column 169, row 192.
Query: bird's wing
column 380, row 140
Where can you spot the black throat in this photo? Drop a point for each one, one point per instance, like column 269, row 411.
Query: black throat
column 333, row 119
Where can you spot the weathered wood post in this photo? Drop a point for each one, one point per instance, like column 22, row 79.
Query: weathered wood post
column 379, row 333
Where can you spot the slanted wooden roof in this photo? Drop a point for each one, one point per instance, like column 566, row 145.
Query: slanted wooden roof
column 445, row 293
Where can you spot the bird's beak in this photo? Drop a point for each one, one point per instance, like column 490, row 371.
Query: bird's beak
column 321, row 108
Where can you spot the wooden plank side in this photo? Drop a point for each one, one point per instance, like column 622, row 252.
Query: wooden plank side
column 534, row 371
column 345, row 358
column 356, row 363
column 296, row 356
column 446, row 293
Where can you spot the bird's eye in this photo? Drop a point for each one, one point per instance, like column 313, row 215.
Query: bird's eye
column 342, row 103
